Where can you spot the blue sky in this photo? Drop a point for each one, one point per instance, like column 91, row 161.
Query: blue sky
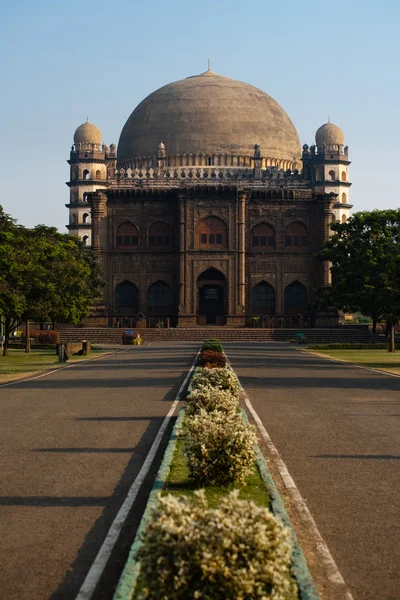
column 63, row 61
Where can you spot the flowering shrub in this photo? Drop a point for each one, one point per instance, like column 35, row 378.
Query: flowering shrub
column 219, row 447
column 238, row 551
column 210, row 399
column 224, row 379
column 212, row 359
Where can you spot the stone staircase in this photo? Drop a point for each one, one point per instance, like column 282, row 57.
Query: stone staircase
column 225, row 334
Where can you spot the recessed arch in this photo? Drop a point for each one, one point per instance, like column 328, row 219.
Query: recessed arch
column 344, row 176
column 344, row 218
column 212, row 297
column 85, row 240
column 85, row 218
column 212, row 231
column 332, row 175
column 86, row 174
column 160, row 235
column 126, row 236
column 98, row 174
column 262, row 236
column 263, row 299
column 295, row 298
column 160, row 298
column 296, row 235
column 344, row 198
column 127, row 298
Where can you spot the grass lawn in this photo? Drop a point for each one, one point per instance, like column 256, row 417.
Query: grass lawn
column 377, row 359
column 19, row 364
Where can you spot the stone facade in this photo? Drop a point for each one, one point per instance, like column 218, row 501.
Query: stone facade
column 213, row 239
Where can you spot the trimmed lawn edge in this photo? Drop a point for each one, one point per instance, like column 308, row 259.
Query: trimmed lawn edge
column 349, row 362
column 128, row 579
column 28, row 375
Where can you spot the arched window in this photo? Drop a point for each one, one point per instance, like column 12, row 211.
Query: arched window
column 263, row 299
column 295, row 298
column 296, row 236
column 86, row 174
column 344, row 218
column 344, row 199
column 74, row 218
column 160, row 298
column 85, row 240
column 98, row 174
column 85, row 218
column 160, row 235
column 263, row 236
column 127, row 236
column 85, row 197
column 344, row 176
column 332, row 175
column 127, row 297
column 212, row 232
column 318, row 174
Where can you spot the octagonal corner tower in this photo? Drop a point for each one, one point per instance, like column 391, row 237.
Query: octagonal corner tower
column 209, row 114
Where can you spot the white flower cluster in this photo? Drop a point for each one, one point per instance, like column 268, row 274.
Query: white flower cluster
column 219, row 447
column 210, row 399
column 222, row 378
column 237, row 551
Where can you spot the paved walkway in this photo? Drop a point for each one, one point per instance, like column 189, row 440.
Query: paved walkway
column 71, row 444
column 337, row 429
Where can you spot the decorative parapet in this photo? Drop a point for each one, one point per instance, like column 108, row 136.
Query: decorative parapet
column 173, row 161
column 173, row 177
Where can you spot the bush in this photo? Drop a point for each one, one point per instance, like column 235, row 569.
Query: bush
column 210, row 399
column 238, row 550
column 222, row 378
column 211, row 344
column 212, row 359
column 219, row 447
column 43, row 336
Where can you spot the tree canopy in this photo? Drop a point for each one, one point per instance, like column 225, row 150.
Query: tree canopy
column 365, row 257
column 44, row 275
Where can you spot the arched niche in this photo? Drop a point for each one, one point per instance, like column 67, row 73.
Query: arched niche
column 212, row 232
column 262, row 236
column 295, row 298
column 160, row 299
column 296, row 235
column 126, row 236
column 160, row 235
column 127, row 298
column 263, row 299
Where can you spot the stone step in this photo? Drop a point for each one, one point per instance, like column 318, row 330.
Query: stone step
column 114, row 336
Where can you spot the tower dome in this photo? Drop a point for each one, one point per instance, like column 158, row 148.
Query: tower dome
column 87, row 133
column 209, row 114
column 329, row 134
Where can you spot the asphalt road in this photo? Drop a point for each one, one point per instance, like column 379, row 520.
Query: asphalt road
column 337, row 429
column 71, row 444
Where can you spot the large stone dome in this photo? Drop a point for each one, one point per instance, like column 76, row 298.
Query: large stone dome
column 210, row 114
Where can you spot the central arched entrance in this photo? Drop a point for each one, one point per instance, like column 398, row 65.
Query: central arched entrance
column 212, row 297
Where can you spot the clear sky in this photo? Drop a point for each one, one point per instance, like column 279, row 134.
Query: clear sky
column 64, row 61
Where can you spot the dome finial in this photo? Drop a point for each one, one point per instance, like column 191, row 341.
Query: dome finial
column 209, row 66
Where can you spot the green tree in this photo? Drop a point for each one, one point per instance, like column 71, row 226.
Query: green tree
column 44, row 275
column 365, row 257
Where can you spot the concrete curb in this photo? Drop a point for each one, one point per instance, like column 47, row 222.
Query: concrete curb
column 127, row 582
column 302, row 575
